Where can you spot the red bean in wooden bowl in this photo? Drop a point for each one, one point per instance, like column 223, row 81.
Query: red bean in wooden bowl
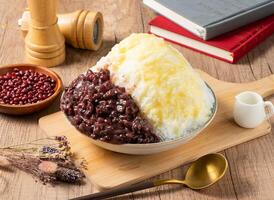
column 26, row 88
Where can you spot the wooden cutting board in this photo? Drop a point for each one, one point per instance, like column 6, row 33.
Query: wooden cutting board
column 108, row 169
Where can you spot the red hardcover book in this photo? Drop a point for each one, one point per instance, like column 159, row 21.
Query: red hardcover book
column 229, row 47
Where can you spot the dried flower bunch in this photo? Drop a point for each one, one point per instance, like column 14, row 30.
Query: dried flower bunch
column 50, row 160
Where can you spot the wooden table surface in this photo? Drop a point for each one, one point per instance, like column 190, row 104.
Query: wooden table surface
column 251, row 165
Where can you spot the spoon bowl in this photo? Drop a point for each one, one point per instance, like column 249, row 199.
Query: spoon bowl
column 203, row 172
column 206, row 171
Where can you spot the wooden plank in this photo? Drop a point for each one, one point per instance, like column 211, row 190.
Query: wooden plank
column 15, row 130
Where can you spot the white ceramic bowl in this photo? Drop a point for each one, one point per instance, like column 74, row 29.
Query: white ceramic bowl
column 152, row 148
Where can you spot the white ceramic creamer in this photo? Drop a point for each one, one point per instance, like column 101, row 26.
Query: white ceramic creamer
column 249, row 109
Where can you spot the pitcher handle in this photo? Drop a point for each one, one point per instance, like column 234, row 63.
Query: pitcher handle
column 270, row 105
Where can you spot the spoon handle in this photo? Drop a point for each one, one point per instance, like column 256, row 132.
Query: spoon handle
column 117, row 191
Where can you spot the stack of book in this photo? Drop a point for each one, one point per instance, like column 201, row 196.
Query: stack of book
column 224, row 29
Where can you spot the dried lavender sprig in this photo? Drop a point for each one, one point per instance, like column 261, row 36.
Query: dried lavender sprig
column 38, row 161
column 69, row 175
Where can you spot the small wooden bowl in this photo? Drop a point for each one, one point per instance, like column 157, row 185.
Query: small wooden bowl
column 34, row 107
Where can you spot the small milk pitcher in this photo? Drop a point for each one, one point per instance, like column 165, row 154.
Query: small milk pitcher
column 249, row 109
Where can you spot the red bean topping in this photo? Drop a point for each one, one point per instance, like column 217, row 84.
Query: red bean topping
column 21, row 87
column 104, row 111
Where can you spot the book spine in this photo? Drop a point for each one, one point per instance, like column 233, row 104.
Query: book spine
column 253, row 41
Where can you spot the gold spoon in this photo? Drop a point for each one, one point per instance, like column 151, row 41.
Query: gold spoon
column 204, row 172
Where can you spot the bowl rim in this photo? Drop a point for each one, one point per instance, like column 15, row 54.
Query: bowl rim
column 189, row 137
column 51, row 73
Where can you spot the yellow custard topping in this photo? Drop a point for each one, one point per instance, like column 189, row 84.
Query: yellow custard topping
column 168, row 91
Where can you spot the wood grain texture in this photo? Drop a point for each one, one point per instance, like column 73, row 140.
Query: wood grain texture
column 221, row 134
column 251, row 169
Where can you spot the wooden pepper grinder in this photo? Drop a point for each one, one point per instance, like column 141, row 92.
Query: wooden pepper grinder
column 82, row 28
column 44, row 43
